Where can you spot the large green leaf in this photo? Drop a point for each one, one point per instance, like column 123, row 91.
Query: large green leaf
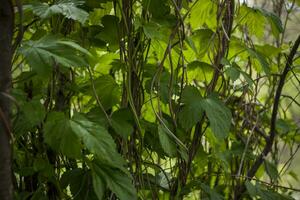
column 49, row 50
column 158, row 8
column 116, row 180
column 67, row 8
column 60, row 136
column 191, row 111
column 156, row 31
column 97, row 140
column 107, row 90
column 99, row 185
column 274, row 20
column 110, row 33
column 80, row 184
column 31, row 114
column 203, row 12
column 219, row 117
column 199, row 71
column 122, row 121
column 202, row 41
column 252, row 19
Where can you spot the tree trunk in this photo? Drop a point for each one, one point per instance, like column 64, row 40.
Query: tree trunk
column 6, row 34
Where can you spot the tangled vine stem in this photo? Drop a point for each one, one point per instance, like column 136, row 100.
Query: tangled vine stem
column 270, row 139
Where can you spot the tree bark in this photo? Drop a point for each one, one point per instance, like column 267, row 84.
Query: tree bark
column 6, row 35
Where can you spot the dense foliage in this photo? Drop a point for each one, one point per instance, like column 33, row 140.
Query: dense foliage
column 154, row 99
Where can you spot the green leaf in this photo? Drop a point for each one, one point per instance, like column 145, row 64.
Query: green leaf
column 107, row 90
column 49, row 50
column 203, row 12
column 274, row 20
column 110, row 32
column 248, row 78
column 202, row 41
column 117, row 181
column 80, row 184
column 219, row 117
column 265, row 194
column 271, row 170
column 268, row 50
column 31, row 114
column 156, row 31
column 200, row 71
column 67, row 8
column 262, row 60
column 99, row 186
column 211, row 192
column 60, row 137
column 166, row 143
column 122, row 121
column 192, row 110
column 233, row 71
column 158, row 8
column 252, row 190
column 253, row 19
column 97, row 140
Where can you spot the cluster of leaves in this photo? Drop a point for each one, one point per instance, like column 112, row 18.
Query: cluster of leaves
column 150, row 99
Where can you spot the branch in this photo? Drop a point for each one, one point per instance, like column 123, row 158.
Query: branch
column 270, row 139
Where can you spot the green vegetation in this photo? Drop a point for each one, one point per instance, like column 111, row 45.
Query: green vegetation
column 148, row 99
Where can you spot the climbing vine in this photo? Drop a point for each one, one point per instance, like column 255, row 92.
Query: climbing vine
column 154, row 99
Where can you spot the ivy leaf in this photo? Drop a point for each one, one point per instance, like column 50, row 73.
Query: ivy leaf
column 192, row 110
column 219, row 117
column 67, row 8
column 60, row 137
